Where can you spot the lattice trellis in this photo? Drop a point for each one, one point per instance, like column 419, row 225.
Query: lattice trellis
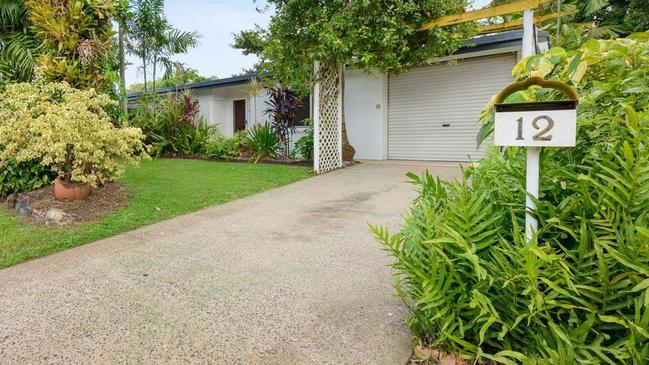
column 328, row 119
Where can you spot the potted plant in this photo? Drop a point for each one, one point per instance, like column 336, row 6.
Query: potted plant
column 69, row 131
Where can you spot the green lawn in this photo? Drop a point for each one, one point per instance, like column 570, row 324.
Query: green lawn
column 161, row 189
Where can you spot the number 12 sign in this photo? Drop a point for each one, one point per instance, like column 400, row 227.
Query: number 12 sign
column 541, row 124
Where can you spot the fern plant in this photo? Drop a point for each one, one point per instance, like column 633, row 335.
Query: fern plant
column 578, row 292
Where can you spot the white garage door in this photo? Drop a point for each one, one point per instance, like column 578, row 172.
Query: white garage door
column 434, row 110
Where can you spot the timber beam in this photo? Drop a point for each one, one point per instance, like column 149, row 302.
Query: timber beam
column 493, row 11
column 492, row 28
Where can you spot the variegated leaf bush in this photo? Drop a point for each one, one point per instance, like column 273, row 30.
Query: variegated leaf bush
column 68, row 130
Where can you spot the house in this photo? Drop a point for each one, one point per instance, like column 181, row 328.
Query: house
column 227, row 104
column 430, row 113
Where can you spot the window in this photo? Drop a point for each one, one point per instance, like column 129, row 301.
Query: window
column 303, row 112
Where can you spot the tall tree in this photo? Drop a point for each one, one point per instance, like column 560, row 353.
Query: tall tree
column 368, row 35
column 146, row 23
column 77, row 39
column 122, row 15
column 172, row 42
column 153, row 40
column 18, row 44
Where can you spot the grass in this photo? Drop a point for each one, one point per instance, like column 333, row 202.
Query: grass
column 161, row 189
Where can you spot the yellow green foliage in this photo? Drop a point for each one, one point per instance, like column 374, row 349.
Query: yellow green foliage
column 68, row 130
column 76, row 36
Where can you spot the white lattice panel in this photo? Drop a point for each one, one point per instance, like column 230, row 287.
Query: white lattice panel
column 328, row 154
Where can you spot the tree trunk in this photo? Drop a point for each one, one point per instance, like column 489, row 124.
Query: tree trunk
column 348, row 150
column 146, row 89
column 155, row 65
column 122, row 72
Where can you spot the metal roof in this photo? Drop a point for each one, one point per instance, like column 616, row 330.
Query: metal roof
column 230, row 81
column 481, row 43
column 498, row 40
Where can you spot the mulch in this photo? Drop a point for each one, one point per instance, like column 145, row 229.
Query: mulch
column 287, row 162
column 101, row 202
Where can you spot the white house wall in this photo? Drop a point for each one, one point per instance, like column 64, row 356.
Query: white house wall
column 204, row 98
column 365, row 107
column 217, row 107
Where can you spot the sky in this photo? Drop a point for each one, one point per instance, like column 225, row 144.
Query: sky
column 216, row 21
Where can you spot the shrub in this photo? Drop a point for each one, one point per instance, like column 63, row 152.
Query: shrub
column 66, row 129
column 578, row 292
column 304, row 145
column 263, row 141
column 172, row 125
column 220, row 146
column 282, row 104
column 19, row 177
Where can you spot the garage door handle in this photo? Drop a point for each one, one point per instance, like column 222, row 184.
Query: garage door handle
column 446, row 125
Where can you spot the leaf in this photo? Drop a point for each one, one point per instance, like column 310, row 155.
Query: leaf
column 579, row 73
column 640, row 89
column 641, row 286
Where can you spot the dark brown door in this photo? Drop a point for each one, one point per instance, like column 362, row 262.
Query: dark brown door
column 239, row 115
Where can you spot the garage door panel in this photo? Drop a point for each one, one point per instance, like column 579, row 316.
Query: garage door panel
column 425, row 99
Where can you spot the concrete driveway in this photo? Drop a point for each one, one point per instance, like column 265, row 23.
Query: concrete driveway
column 288, row 276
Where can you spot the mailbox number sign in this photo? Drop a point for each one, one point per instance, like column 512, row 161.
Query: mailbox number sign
column 536, row 128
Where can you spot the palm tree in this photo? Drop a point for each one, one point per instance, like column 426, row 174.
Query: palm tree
column 172, row 42
column 18, row 45
column 153, row 40
column 146, row 23
column 121, row 17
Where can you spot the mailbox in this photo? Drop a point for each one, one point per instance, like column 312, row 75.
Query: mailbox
column 536, row 124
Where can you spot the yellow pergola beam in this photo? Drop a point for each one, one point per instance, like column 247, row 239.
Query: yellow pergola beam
column 493, row 11
column 492, row 28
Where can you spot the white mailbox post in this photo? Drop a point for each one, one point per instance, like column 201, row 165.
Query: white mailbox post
column 535, row 125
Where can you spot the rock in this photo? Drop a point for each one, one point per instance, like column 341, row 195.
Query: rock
column 37, row 214
column 11, row 201
column 22, row 206
column 54, row 216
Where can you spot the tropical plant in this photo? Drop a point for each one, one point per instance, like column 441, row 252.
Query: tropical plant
column 18, row 44
column 19, row 177
column 122, row 15
column 172, row 125
column 253, row 88
column 67, row 130
column 304, row 145
column 578, row 292
column 282, row 104
column 77, row 39
column 263, row 141
column 226, row 148
column 154, row 41
column 613, row 17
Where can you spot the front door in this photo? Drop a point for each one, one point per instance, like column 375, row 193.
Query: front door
column 239, row 115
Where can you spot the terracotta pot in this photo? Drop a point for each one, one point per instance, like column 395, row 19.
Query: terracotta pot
column 71, row 191
column 348, row 153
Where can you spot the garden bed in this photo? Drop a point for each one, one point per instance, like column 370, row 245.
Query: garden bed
column 39, row 207
column 286, row 162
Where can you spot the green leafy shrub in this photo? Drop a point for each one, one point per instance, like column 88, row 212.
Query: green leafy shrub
column 304, row 145
column 263, row 141
column 220, row 146
column 579, row 291
column 20, row 177
column 67, row 130
column 172, row 125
